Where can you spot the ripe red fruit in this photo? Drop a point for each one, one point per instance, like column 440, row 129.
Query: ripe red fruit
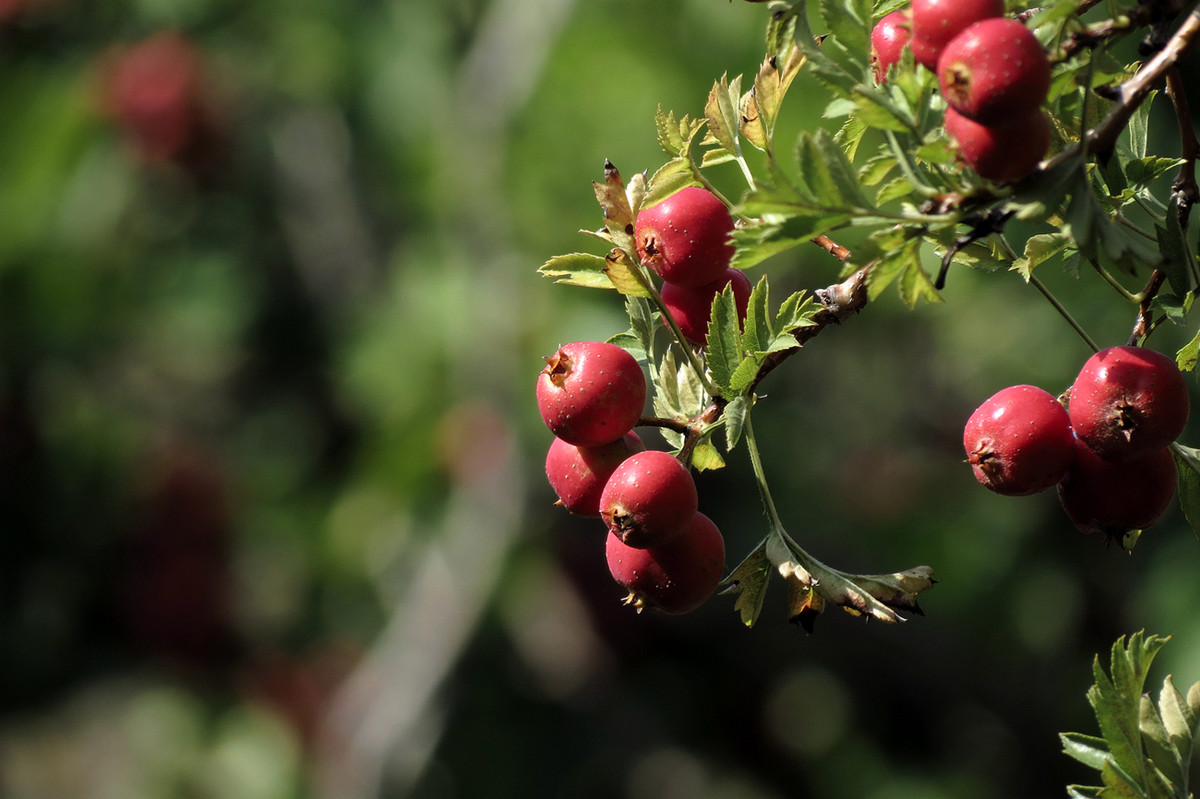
column 1003, row 153
column 936, row 22
column 1111, row 498
column 691, row 308
column 888, row 38
column 1019, row 441
column 1128, row 400
column 994, row 70
column 685, row 238
column 578, row 474
column 676, row 577
column 591, row 392
column 649, row 499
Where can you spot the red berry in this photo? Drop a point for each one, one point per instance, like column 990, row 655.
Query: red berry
column 936, row 22
column 676, row 577
column 1004, row 153
column 1128, row 400
column 578, row 474
column 591, row 392
column 691, row 308
column 888, row 38
column 685, row 238
column 1111, row 498
column 649, row 499
column 1019, row 441
column 994, row 70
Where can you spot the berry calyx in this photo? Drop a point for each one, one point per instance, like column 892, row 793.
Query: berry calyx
column 888, row 39
column 685, row 238
column 1019, row 441
column 591, row 392
column 578, row 474
column 1102, row 496
column 649, row 499
column 994, row 70
column 1128, row 400
column 936, row 22
column 676, row 577
column 1003, row 153
column 691, row 308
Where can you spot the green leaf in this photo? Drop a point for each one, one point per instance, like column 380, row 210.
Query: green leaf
column 735, row 420
column 724, row 341
column 820, row 65
column 625, row 274
column 794, row 313
column 827, row 174
column 578, row 269
column 1038, row 250
column 1187, row 481
column 902, row 265
column 706, row 457
column 1087, row 749
column 1159, row 747
column 744, row 375
column 1178, row 262
column 1189, row 355
column 849, row 22
column 631, row 344
column 749, row 581
column 757, row 334
column 761, row 239
column 722, row 113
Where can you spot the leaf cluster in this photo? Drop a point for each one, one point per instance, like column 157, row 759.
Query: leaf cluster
column 1144, row 748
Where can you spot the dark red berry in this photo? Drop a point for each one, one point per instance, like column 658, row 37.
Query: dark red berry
column 649, row 499
column 1111, row 498
column 1128, row 400
column 1004, row 153
column 1019, row 441
column 676, row 577
column 578, row 474
column 888, row 39
column 691, row 308
column 685, row 238
column 993, row 71
column 591, row 392
column 936, row 22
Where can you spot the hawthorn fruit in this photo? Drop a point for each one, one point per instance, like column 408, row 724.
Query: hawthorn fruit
column 578, row 474
column 675, row 577
column 888, row 39
column 649, row 499
column 1019, row 441
column 591, row 392
column 1127, row 401
column 685, row 238
column 691, row 308
column 1113, row 498
column 994, row 70
column 1002, row 153
column 936, row 22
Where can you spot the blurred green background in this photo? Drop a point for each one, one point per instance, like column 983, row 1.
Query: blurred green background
column 273, row 521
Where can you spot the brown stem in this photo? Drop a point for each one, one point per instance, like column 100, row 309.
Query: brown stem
column 1184, row 188
column 832, row 247
column 1139, row 16
column 1145, row 317
column 1132, row 92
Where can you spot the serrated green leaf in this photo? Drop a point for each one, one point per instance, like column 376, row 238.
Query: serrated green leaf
column 1039, row 249
column 849, row 22
column 827, row 174
column 1158, row 745
column 794, row 312
column 1087, row 749
column 759, row 240
column 642, row 322
column 680, row 393
column 897, row 189
column 669, row 137
column 1178, row 720
column 721, row 113
column 820, row 65
column 1189, row 355
column 734, row 415
column 875, row 109
column 756, row 336
column 629, row 342
column 749, row 581
column 873, row 172
column 578, row 269
column 850, row 136
column 743, row 376
column 1178, row 262
column 724, row 341
column 672, row 176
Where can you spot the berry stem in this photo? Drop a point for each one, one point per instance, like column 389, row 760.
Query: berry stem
column 907, row 168
column 760, row 477
column 1058, row 306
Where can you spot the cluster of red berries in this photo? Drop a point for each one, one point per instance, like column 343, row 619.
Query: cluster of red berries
column 992, row 72
column 1108, row 451
column 591, row 394
column 660, row 547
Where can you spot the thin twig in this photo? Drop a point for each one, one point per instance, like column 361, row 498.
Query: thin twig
column 1184, row 188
